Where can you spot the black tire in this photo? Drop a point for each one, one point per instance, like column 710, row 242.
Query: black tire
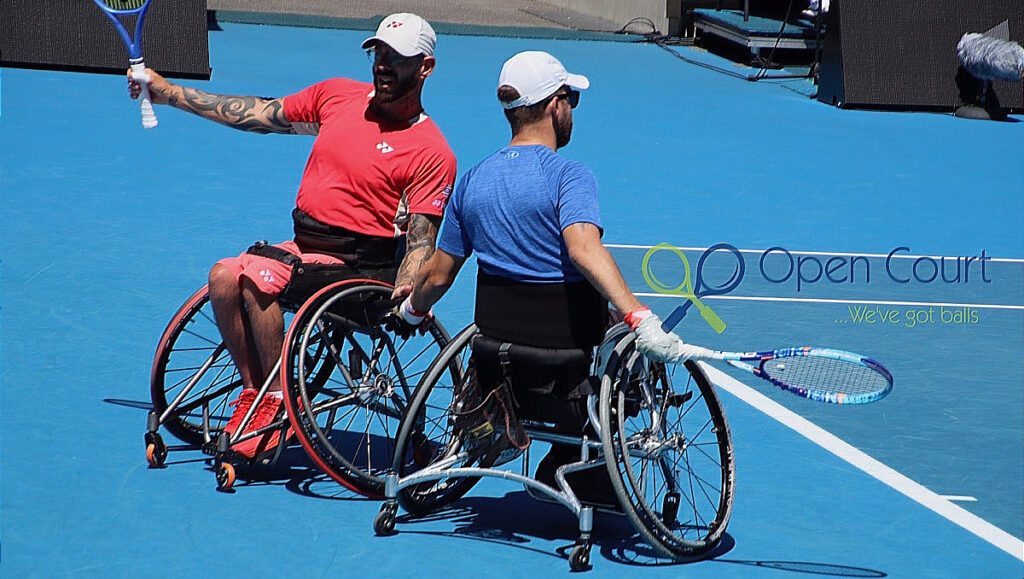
column 345, row 411
column 679, row 493
column 579, row 558
column 190, row 341
column 384, row 522
column 427, row 432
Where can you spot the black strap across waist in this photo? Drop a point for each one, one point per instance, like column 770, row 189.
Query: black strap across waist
column 543, row 315
column 356, row 249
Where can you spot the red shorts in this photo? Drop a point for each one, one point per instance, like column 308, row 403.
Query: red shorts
column 269, row 275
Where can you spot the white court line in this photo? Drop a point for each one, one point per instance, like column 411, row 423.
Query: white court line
column 823, row 253
column 830, row 442
column 959, row 498
column 838, row 301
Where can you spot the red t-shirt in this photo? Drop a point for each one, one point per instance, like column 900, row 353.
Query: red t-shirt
column 366, row 174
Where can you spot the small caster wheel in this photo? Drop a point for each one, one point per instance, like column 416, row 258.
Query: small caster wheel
column 384, row 522
column 579, row 557
column 669, row 509
column 156, row 450
column 225, row 476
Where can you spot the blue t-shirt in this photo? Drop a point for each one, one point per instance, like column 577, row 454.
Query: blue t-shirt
column 511, row 209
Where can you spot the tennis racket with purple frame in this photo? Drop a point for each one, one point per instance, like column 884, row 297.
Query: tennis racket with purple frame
column 121, row 13
column 820, row 374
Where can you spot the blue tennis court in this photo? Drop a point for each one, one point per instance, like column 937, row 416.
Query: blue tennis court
column 107, row 229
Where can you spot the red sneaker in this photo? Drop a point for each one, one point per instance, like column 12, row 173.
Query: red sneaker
column 242, row 405
column 266, row 413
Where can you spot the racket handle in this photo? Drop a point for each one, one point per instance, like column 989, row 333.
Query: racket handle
column 145, row 103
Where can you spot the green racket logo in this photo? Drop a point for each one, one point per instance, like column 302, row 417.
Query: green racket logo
column 686, row 288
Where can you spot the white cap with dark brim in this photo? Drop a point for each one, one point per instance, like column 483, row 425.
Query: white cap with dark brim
column 407, row 34
column 537, row 75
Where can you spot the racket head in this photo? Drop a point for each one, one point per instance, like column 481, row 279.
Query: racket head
column 123, row 6
column 116, row 10
column 825, row 374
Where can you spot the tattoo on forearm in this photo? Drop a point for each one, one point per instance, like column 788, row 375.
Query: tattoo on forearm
column 419, row 246
column 253, row 114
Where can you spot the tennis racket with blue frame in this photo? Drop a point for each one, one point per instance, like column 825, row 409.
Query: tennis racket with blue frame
column 121, row 13
column 820, row 374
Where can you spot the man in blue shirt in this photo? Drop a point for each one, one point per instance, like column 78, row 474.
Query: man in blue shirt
column 532, row 218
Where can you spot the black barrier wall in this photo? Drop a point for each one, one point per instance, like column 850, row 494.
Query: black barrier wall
column 76, row 35
column 902, row 55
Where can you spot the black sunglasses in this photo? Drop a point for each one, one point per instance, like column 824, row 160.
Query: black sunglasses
column 390, row 56
column 572, row 97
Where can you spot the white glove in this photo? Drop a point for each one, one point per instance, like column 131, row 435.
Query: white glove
column 654, row 342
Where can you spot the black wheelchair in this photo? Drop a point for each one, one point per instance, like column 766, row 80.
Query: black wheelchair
column 661, row 434
column 346, row 382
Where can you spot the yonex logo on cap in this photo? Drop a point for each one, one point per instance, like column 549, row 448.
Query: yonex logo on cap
column 416, row 38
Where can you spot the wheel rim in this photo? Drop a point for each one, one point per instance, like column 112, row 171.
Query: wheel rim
column 347, row 407
column 427, row 434
column 190, row 343
column 677, row 441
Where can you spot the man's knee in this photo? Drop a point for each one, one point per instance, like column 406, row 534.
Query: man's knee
column 222, row 282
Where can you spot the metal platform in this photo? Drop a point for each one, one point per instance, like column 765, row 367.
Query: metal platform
column 756, row 32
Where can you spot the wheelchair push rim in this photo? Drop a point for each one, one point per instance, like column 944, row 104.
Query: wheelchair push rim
column 674, row 471
column 346, row 417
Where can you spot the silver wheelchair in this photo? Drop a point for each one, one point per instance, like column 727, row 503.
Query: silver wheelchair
column 346, row 382
column 661, row 435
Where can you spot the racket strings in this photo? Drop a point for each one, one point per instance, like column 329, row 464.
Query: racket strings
column 124, row 4
column 826, row 375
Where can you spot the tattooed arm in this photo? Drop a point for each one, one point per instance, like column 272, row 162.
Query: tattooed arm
column 419, row 246
column 245, row 113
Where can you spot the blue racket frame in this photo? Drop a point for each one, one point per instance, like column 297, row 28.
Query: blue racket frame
column 743, row 360
column 134, row 42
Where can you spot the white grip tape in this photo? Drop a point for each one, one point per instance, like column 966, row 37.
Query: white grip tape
column 146, row 104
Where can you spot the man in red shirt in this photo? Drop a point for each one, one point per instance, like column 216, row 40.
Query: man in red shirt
column 379, row 169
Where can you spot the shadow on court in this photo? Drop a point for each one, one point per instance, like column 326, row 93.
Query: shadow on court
column 500, row 520
column 294, row 470
column 826, row 569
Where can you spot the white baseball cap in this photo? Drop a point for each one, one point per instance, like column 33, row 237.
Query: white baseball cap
column 407, row 34
column 536, row 76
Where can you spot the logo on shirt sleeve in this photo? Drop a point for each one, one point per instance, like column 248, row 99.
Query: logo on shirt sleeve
column 442, row 198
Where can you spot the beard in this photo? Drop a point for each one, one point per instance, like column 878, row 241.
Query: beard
column 563, row 131
column 393, row 87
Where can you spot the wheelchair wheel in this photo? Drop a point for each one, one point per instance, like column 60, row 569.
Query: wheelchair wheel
column 673, row 468
column 427, row 434
column 192, row 362
column 347, row 380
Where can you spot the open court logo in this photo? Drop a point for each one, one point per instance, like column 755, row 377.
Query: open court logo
column 799, row 272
